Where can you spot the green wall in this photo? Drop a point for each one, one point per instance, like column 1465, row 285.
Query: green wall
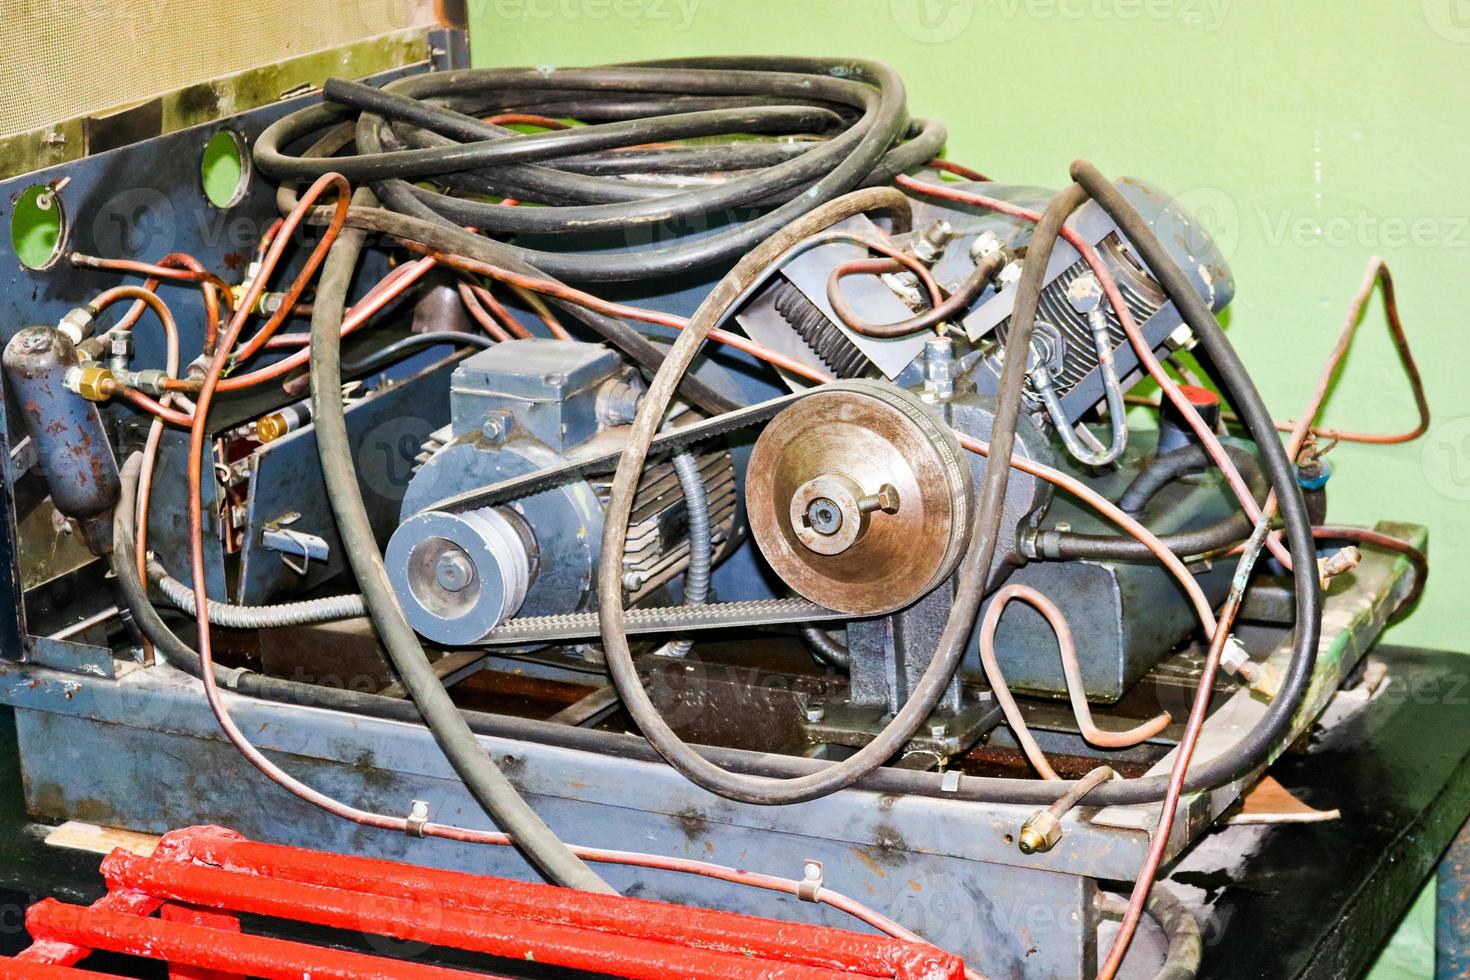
column 1309, row 134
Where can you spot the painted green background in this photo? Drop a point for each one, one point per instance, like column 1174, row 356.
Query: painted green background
column 1308, row 134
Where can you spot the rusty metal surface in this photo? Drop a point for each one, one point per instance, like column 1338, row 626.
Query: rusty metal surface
column 859, row 438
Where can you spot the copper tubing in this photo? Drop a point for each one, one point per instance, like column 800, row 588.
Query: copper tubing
column 1377, row 539
column 1183, row 754
column 1135, row 336
column 485, row 299
column 177, row 266
column 958, row 169
column 380, row 296
column 1172, row 562
column 1071, row 669
column 1376, row 273
column 526, row 119
column 472, row 303
column 292, row 293
column 955, row 305
column 144, row 297
column 1002, row 692
column 571, row 294
column 543, row 313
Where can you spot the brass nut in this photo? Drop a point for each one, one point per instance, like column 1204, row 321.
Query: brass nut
column 94, row 383
column 1040, row 833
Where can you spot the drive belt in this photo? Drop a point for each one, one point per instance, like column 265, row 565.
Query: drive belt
column 647, row 619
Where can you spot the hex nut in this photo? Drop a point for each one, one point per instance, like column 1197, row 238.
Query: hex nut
column 1040, row 833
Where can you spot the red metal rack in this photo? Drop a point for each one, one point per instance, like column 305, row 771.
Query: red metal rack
column 200, row 880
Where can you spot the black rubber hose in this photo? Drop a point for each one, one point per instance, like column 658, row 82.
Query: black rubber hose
column 1164, row 470
column 1245, row 754
column 1186, row 944
column 872, row 147
column 831, row 650
column 460, row 242
column 384, row 356
column 481, row 776
column 1053, row 545
column 975, row 569
column 1235, row 763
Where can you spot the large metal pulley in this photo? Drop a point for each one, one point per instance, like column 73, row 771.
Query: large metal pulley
column 859, row 497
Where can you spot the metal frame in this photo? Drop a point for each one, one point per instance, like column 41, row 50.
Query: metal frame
column 142, row 751
column 135, row 746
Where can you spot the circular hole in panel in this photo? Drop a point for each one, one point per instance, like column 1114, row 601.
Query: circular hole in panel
column 224, row 169
column 38, row 227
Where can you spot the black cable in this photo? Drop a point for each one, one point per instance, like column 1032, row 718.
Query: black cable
column 446, row 238
column 1054, row 545
column 427, row 127
column 1165, row 469
column 396, row 351
column 975, row 569
column 1247, row 753
column 481, row 776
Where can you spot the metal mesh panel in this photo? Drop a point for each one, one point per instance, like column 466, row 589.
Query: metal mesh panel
column 60, row 59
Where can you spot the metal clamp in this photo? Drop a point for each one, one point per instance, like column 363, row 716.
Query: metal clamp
column 278, row 537
column 418, row 817
column 811, row 880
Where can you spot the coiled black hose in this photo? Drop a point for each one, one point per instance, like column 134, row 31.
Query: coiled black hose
column 849, row 115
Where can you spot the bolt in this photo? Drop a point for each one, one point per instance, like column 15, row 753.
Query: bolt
column 1010, row 275
column 984, row 246
column 454, row 571
column 939, row 367
column 931, row 241
column 905, row 285
column 495, row 428
column 1085, row 293
column 815, row 712
column 939, row 730
column 812, row 871
column 886, row 500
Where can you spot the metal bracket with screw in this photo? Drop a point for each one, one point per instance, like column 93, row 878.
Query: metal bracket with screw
column 418, row 818
column 811, row 882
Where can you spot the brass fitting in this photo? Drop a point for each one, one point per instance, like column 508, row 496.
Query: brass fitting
column 272, row 427
column 1267, row 683
column 1040, row 833
column 1338, row 563
column 94, row 382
